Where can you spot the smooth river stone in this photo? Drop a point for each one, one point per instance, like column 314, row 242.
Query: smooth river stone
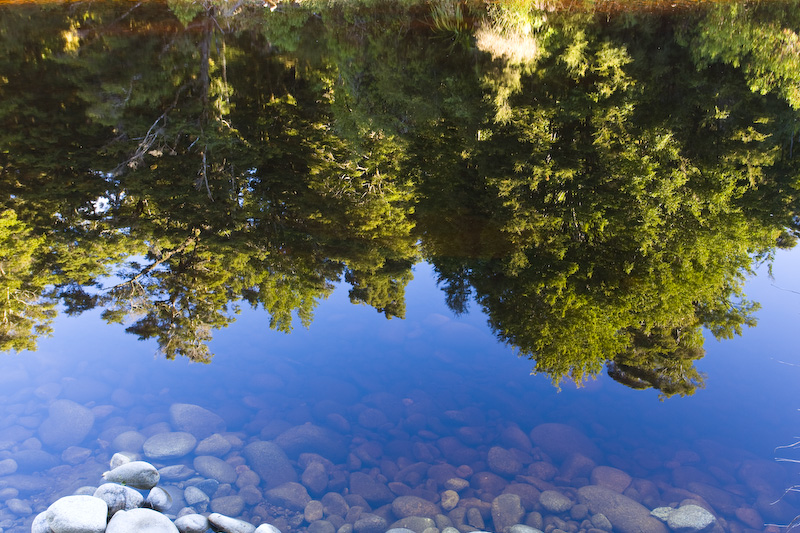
column 118, row 497
column 559, row 441
column 308, row 438
column 625, row 514
column 140, row 521
column 220, row 522
column 165, row 446
column 73, row 514
column 196, row 420
column 215, row 468
column 136, row 474
column 192, row 523
column 216, row 445
column 67, row 425
column 269, row 461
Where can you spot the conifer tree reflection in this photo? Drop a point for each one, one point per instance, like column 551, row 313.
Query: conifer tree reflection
column 600, row 197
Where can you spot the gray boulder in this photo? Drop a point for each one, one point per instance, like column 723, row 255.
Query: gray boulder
column 690, row 519
column 73, row 514
column 404, row 506
column 118, row 497
column 291, row 495
column 140, row 521
column 195, row 497
column 269, row 461
column 502, row 462
column 626, row 515
column 216, row 445
column 559, row 441
column 415, row 524
column 375, row 492
column 554, row 501
column 196, row 420
column 226, row 524
column 228, row 505
column 309, row 438
column 215, row 468
column 158, row 499
column 67, row 425
column 171, row 445
column 507, row 511
column 136, row 474
column 192, row 523
column 370, row 523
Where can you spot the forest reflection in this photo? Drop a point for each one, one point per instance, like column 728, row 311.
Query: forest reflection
column 599, row 182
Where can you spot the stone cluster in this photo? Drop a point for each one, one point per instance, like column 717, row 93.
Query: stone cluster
column 323, row 456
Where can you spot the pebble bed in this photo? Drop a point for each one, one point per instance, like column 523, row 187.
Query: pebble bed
column 328, row 455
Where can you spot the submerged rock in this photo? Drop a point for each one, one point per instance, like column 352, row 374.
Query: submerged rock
column 227, row 524
column 172, row 445
column 140, row 521
column 118, row 497
column 67, row 425
column 192, row 523
column 559, row 441
column 690, row 519
column 71, row 514
column 196, row 420
column 136, row 474
column 269, row 461
column 314, row 439
column 624, row 514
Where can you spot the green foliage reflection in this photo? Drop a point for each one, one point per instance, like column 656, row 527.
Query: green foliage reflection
column 600, row 184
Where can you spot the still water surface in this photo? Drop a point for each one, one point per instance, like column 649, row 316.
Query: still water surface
column 579, row 190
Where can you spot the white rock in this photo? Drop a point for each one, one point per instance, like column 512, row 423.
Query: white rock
column 77, row 514
column 121, row 458
column 40, row 524
column 159, row 499
column 192, row 523
column 118, row 497
column 690, row 519
column 267, row 528
column 140, row 521
column 137, row 474
column 227, row 524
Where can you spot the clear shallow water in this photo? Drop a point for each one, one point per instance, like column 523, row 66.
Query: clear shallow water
column 425, row 382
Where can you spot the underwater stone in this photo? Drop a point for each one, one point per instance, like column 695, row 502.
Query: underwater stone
column 67, row 425
column 554, row 501
column 227, row 524
column 216, row 445
column 405, row 506
column 73, row 514
column 196, row 420
column 269, row 461
column 136, row 474
column 690, row 519
column 502, row 462
column 172, row 445
column 625, row 514
column 215, row 468
column 192, row 523
column 158, row 499
column 118, row 497
column 559, row 441
column 290, row 495
column 314, row 439
column 506, row 511
column 140, row 521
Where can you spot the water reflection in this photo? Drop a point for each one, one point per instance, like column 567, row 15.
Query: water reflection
column 598, row 183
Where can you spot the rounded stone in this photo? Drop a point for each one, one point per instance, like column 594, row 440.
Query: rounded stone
column 215, row 468
column 136, row 474
column 690, row 519
column 228, row 505
column 502, row 462
column 192, row 523
column 216, row 445
column 128, row 441
column 196, row 420
column 554, row 501
column 269, row 461
column 404, row 506
column 220, row 522
column 118, row 497
column 369, row 523
column 291, row 495
column 321, row 526
column 86, row 514
column 624, row 514
column 313, row 511
column 67, row 425
column 140, row 521
column 449, row 500
column 171, row 445
column 559, row 441
column 158, row 499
